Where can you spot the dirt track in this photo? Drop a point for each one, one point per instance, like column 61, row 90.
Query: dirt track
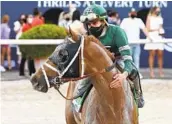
column 20, row 104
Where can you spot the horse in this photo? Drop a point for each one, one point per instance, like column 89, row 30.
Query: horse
column 103, row 105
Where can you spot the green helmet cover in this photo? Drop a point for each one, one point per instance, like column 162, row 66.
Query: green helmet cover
column 97, row 10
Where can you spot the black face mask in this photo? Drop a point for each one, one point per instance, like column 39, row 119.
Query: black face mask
column 97, row 31
column 133, row 16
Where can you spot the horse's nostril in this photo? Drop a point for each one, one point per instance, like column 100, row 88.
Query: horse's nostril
column 33, row 80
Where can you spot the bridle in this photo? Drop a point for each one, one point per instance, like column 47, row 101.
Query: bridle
column 59, row 80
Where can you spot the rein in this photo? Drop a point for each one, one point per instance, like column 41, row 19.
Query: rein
column 59, row 81
column 64, row 80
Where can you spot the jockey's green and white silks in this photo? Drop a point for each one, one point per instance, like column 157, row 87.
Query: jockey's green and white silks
column 117, row 39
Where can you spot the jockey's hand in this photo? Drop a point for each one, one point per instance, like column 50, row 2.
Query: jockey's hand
column 118, row 79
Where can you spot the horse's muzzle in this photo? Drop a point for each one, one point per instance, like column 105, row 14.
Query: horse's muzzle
column 39, row 84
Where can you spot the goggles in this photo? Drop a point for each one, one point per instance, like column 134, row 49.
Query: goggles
column 91, row 17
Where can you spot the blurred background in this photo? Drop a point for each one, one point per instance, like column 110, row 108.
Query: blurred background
column 53, row 12
column 22, row 20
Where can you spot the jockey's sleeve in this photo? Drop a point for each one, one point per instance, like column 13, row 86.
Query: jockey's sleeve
column 121, row 41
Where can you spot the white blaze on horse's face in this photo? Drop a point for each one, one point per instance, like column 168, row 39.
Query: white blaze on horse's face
column 39, row 80
column 50, row 69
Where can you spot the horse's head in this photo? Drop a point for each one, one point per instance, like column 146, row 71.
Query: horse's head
column 64, row 62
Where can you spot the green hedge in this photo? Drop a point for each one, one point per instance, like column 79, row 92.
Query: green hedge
column 47, row 31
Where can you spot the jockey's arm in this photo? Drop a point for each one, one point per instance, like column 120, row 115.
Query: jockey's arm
column 121, row 41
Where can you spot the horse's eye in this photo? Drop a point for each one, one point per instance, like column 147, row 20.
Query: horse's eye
column 63, row 55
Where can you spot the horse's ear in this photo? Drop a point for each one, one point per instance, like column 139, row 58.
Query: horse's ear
column 74, row 35
column 69, row 31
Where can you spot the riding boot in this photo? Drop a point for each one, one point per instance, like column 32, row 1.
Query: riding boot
column 137, row 86
column 138, row 91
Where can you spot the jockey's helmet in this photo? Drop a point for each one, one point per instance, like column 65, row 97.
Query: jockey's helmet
column 92, row 12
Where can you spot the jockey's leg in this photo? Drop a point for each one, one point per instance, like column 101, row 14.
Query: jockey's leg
column 136, row 80
column 81, row 87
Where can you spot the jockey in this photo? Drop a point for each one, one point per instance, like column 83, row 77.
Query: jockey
column 111, row 35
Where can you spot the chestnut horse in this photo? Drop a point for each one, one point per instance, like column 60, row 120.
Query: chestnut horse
column 103, row 105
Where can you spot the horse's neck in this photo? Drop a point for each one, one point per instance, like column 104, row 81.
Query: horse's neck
column 116, row 102
column 97, row 59
column 110, row 101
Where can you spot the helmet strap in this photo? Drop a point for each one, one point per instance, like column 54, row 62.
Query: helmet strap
column 106, row 23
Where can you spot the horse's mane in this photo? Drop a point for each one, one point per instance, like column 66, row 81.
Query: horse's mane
column 91, row 38
column 88, row 39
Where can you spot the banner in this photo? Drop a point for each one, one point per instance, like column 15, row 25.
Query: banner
column 106, row 4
